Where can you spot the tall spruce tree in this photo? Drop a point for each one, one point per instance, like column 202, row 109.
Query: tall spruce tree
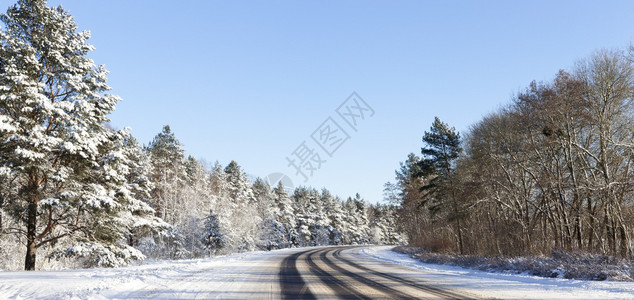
column 53, row 107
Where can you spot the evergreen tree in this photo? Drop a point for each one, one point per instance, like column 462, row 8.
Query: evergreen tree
column 442, row 148
column 53, row 107
column 337, row 217
column 357, row 220
column 145, row 229
column 307, row 207
column 213, row 238
column 112, row 231
column 169, row 176
column 271, row 230
column 285, row 217
column 168, row 172
column 382, row 224
column 195, row 200
column 238, row 209
column 240, row 190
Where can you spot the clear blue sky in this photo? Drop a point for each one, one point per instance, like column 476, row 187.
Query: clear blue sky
column 250, row 81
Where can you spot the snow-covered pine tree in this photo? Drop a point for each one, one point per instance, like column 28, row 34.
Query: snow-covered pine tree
column 218, row 185
column 240, row 190
column 323, row 231
column 243, row 215
column 213, row 239
column 168, row 172
column 53, row 107
column 107, row 239
column 221, row 203
column 357, row 219
column 270, row 230
column 196, row 200
column 285, row 217
column 337, row 217
column 170, row 179
column 391, row 230
column 382, row 223
column 310, row 217
column 145, row 229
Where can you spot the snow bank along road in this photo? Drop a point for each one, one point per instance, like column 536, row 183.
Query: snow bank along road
column 307, row 273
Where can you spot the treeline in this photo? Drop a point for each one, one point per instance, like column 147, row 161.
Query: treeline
column 550, row 171
column 218, row 209
column 76, row 193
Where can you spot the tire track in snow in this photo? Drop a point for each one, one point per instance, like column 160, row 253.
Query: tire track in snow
column 422, row 287
column 343, row 290
column 291, row 282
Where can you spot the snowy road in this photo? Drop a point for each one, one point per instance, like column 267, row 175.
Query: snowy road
column 338, row 273
column 321, row 273
column 365, row 272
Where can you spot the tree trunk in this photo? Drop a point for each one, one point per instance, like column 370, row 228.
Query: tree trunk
column 31, row 242
column 590, row 226
column 460, row 240
column 1, row 210
column 625, row 242
column 578, row 234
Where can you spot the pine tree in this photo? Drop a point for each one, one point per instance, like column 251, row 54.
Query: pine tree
column 195, row 199
column 285, row 217
column 382, row 224
column 336, row 217
column 53, row 107
column 112, row 230
column 145, row 229
column 237, row 209
column 240, row 190
column 322, row 229
column 357, row 220
column 213, row 239
column 442, row 148
column 168, row 172
column 271, row 230
column 305, row 208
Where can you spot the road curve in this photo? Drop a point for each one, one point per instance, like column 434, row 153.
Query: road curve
column 309, row 273
column 336, row 273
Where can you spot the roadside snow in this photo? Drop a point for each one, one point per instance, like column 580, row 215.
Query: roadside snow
column 505, row 286
column 153, row 279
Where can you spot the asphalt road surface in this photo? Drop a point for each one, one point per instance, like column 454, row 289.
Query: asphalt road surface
column 314, row 273
column 334, row 273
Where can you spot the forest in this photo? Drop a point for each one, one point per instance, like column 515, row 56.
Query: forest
column 549, row 171
column 77, row 193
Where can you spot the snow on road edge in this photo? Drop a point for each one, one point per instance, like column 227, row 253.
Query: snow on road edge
column 506, row 285
column 103, row 283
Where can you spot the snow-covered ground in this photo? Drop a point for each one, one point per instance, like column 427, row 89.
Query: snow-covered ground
column 182, row 279
column 506, row 286
column 254, row 275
